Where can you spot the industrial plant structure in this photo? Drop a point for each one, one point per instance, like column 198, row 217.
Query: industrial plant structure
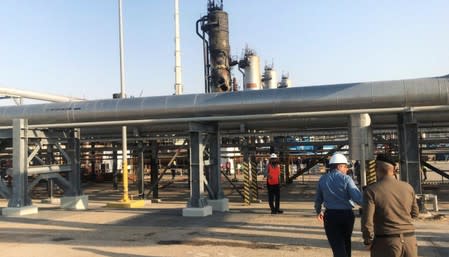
column 57, row 141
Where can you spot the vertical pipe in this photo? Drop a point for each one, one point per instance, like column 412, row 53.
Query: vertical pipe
column 362, row 166
column 178, row 83
column 361, row 142
column 122, row 95
column 125, row 164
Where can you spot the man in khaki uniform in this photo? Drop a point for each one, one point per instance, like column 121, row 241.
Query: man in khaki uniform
column 389, row 206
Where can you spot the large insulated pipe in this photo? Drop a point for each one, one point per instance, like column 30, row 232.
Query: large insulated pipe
column 217, row 28
column 361, row 141
column 360, row 137
column 343, row 97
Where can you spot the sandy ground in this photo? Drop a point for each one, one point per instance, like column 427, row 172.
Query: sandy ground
column 159, row 229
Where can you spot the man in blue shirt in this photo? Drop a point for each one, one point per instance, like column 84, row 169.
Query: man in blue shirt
column 337, row 192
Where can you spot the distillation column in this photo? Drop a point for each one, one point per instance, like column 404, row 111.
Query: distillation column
column 215, row 24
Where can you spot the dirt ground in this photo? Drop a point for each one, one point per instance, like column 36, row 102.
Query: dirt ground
column 159, row 229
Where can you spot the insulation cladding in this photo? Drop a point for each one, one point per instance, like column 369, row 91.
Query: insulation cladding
column 250, row 63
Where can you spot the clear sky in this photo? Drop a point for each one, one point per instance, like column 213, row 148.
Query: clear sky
column 70, row 47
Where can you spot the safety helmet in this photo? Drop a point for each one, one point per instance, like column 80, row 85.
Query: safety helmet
column 338, row 158
column 273, row 156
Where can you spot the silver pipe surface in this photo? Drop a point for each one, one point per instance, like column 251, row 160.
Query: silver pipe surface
column 276, row 116
column 427, row 93
column 36, row 96
column 215, row 118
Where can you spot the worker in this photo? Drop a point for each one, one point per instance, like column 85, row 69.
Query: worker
column 173, row 170
column 298, row 165
column 337, row 192
column 274, row 189
column 424, row 173
column 388, row 210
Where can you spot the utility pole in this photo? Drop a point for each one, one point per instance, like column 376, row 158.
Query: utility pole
column 123, row 95
column 178, row 83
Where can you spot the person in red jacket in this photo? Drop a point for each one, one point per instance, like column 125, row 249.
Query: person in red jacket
column 274, row 192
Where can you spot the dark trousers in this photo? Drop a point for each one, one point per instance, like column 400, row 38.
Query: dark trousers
column 274, row 197
column 338, row 225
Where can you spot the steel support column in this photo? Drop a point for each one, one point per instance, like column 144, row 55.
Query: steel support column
column 140, row 171
column 409, row 150
column 74, row 154
column 50, row 160
column 114, row 167
column 154, row 169
column 93, row 162
column 20, row 197
column 215, row 161
column 196, row 170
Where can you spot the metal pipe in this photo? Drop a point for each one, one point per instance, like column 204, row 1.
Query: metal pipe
column 205, row 53
column 234, row 117
column 429, row 94
column 12, row 92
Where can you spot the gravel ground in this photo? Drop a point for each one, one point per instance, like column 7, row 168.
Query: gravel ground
column 159, row 229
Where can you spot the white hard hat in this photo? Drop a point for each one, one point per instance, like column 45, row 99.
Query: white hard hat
column 338, row 158
column 273, row 156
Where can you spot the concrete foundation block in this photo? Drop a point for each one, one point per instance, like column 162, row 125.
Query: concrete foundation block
column 51, row 200
column 197, row 212
column 221, row 205
column 19, row 211
column 128, row 205
column 75, row 202
column 433, row 199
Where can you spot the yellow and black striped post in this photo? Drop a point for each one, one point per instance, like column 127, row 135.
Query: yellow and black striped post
column 370, row 172
column 254, row 190
column 246, row 184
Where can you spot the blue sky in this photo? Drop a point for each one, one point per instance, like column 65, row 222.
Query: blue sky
column 70, row 47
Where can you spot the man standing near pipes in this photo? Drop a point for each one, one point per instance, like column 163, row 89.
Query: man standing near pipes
column 337, row 191
column 274, row 189
column 388, row 210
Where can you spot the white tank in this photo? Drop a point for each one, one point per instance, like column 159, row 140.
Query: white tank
column 269, row 78
column 251, row 66
column 285, row 82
